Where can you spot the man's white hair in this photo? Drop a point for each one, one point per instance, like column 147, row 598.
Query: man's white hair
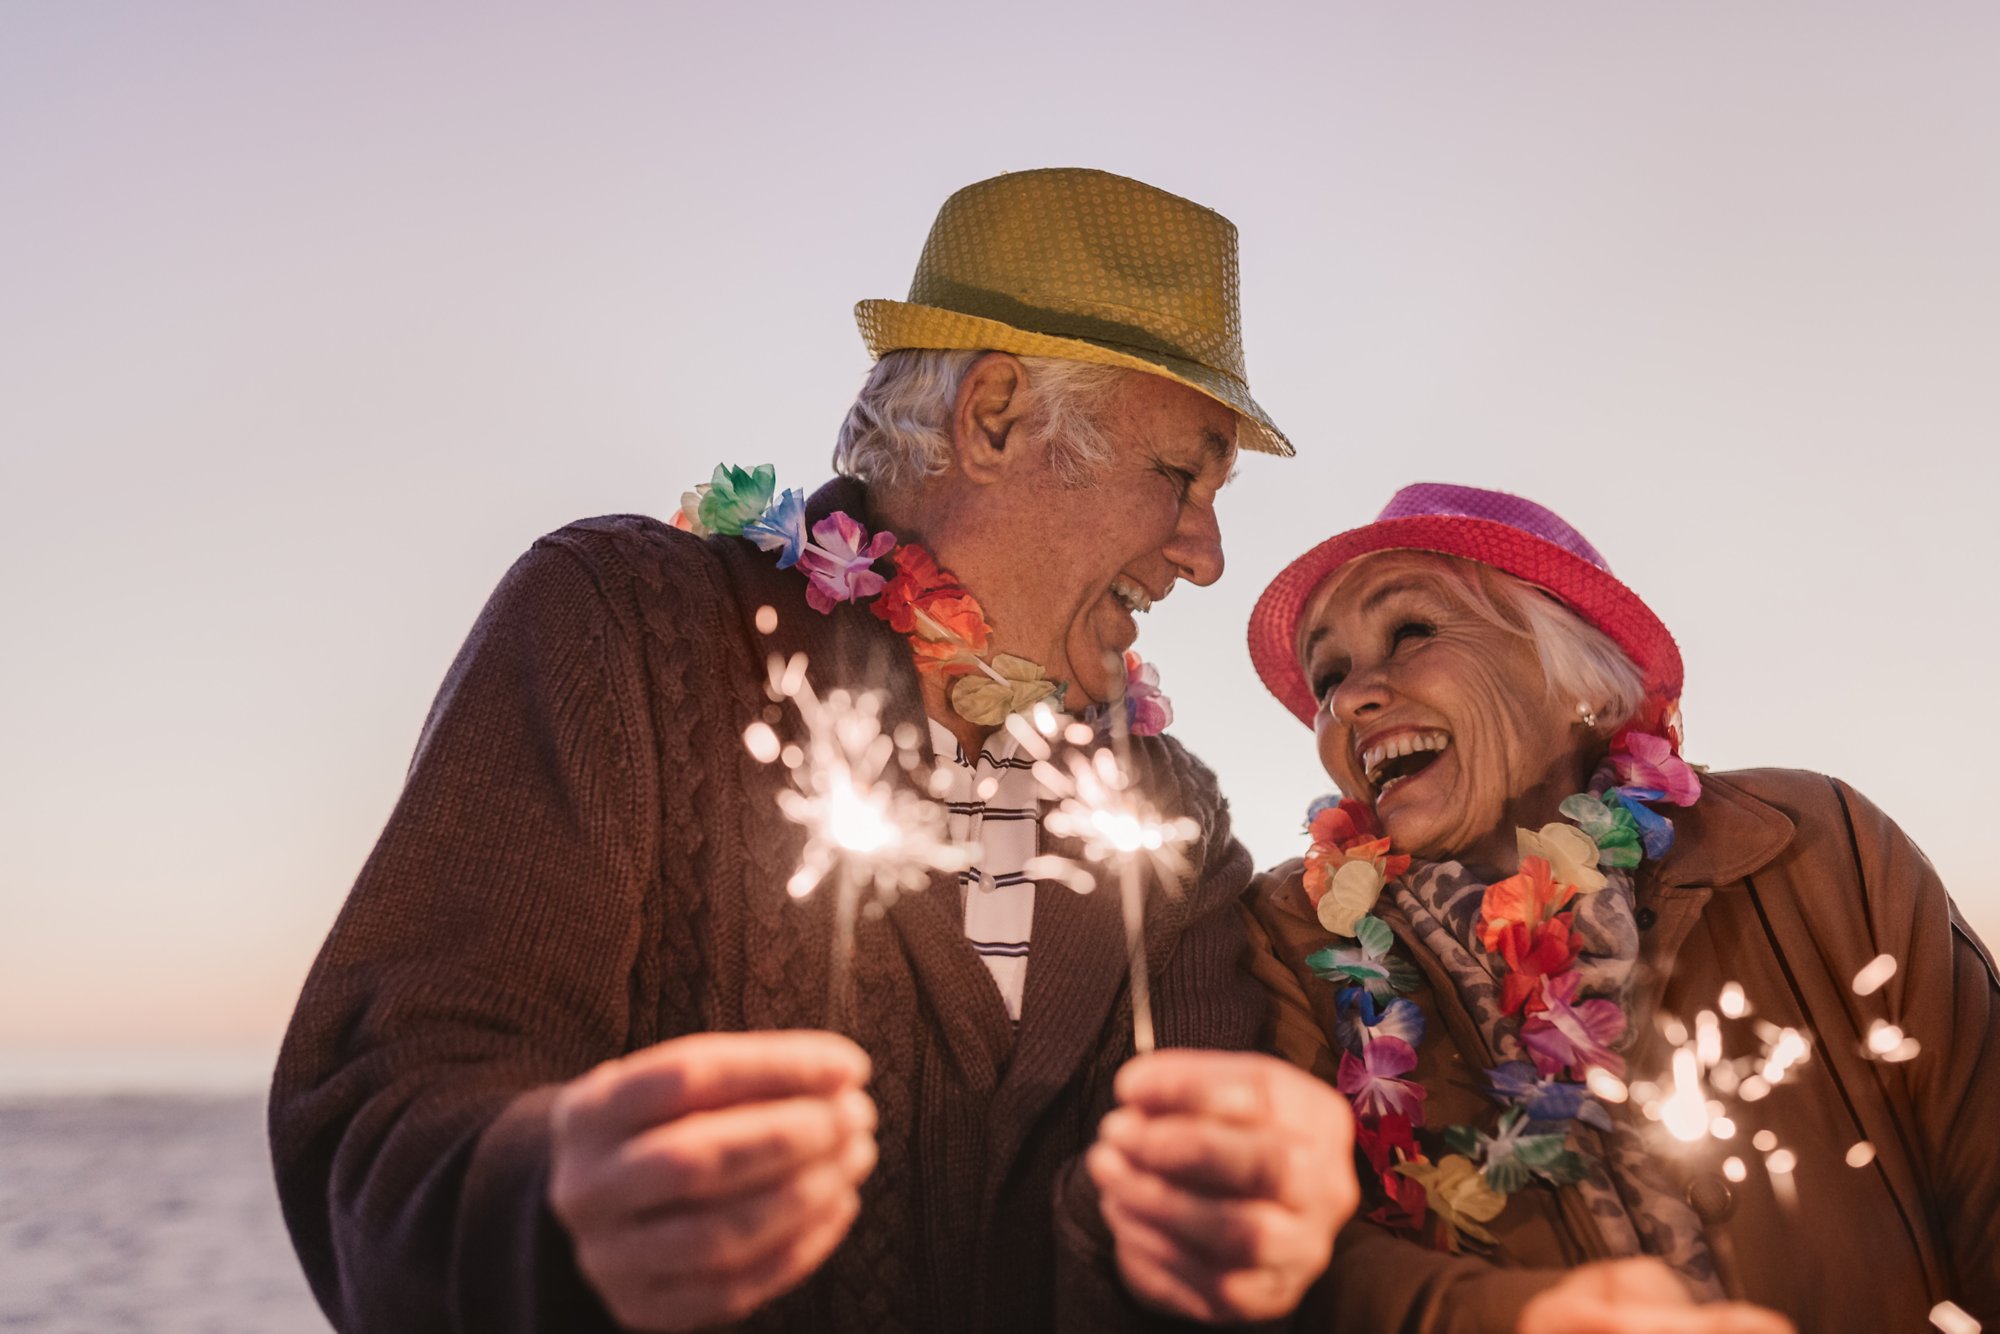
column 899, row 430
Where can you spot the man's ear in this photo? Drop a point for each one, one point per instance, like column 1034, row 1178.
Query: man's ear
column 990, row 401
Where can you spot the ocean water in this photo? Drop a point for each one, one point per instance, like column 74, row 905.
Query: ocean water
column 144, row 1213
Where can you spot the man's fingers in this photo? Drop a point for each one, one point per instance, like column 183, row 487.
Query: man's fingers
column 704, row 1072
column 731, row 1236
column 1207, row 1156
column 1154, row 1269
column 1226, row 1232
column 1248, row 1089
column 645, row 1300
column 716, row 1155
column 1228, row 1086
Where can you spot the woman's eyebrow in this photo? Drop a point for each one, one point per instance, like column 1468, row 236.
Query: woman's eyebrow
column 1388, row 591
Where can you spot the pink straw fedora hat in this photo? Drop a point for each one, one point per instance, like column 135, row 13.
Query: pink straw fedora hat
column 1513, row 535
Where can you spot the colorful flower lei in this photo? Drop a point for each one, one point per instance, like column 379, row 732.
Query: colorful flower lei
column 946, row 628
column 1526, row 927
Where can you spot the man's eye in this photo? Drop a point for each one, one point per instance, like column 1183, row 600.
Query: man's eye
column 1182, row 479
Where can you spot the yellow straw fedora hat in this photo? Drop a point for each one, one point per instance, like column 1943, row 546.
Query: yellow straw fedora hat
column 1069, row 262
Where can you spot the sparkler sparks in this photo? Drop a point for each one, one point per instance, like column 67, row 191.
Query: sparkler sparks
column 1954, row 1319
column 873, row 834
column 1097, row 804
column 1877, row 971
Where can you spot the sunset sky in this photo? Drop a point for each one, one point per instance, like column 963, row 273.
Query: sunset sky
column 313, row 316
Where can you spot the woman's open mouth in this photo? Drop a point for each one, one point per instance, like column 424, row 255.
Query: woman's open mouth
column 1400, row 757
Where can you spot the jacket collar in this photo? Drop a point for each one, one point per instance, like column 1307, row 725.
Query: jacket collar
column 1726, row 835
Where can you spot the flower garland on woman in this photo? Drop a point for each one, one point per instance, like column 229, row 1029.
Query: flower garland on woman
column 1566, row 1011
column 923, row 601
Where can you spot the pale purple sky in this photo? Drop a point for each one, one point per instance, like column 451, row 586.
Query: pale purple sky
column 312, row 317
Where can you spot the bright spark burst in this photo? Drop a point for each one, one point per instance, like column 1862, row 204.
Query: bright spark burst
column 1697, row 1100
column 873, row 834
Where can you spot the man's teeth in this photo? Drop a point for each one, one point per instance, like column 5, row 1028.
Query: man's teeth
column 1134, row 597
column 1406, row 743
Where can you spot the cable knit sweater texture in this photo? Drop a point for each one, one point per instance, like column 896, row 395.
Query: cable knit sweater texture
column 585, row 860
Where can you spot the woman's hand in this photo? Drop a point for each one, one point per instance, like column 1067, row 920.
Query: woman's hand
column 702, row 1177
column 1637, row 1297
column 1223, row 1178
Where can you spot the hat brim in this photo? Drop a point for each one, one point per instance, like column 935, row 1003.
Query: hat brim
column 889, row 326
column 1590, row 592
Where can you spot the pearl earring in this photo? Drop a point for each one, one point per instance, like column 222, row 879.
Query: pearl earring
column 1588, row 714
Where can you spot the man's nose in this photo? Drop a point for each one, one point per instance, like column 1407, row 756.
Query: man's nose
column 1196, row 546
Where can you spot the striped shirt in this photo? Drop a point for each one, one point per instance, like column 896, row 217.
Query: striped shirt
column 992, row 801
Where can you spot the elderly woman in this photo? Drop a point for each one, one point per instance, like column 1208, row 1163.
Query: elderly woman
column 1618, row 1034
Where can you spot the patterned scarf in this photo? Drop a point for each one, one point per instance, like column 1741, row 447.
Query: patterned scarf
column 1637, row 1212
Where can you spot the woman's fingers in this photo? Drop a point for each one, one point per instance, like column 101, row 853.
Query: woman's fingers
column 1637, row 1296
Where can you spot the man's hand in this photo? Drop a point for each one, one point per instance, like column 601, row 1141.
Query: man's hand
column 1223, row 1178
column 702, row 1177
column 1637, row 1297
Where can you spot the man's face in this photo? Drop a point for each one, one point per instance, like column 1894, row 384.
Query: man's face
column 1093, row 558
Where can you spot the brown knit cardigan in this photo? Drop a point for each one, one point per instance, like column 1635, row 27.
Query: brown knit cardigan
column 585, row 860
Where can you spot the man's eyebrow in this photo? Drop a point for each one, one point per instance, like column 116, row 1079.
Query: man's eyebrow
column 1217, row 446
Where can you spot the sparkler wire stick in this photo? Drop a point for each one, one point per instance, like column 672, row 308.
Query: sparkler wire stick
column 1131, row 889
column 1097, row 804
column 1134, row 896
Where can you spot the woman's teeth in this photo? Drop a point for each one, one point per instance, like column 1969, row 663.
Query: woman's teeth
column 1135, row 598
column 1378, row 760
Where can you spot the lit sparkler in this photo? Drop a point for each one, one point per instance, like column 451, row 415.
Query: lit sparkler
column 871, row 833
column 1097, row 804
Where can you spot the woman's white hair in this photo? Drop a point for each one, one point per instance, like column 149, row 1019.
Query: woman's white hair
column 1581, row 664
column 899, row 430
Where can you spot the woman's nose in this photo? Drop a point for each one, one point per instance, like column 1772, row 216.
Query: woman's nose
column 1361, row 694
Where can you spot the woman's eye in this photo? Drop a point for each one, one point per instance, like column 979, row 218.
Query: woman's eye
column 1326, row 683
column 1411, row 630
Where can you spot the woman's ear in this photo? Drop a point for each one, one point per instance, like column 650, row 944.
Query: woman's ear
column 990, row 401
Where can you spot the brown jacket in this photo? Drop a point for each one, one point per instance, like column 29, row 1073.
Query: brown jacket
column 1786, row 883
column 585, row 860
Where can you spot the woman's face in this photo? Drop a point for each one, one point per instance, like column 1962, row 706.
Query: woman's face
column 1434, row 714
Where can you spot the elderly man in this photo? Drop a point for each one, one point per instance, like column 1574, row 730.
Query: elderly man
column 555, row 1067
